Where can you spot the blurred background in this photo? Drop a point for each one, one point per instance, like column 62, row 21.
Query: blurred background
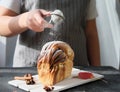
column 108, row 25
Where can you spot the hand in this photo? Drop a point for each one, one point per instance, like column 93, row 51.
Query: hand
column 35, row 20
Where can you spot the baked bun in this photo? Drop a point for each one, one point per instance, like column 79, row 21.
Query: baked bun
column 55, row 62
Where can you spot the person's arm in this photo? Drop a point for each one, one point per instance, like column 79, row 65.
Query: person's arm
column 11, row 23
column 93, row 48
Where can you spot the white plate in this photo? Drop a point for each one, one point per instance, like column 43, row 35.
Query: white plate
column 65, row 84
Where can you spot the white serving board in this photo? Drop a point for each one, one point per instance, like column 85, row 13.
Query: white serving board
column 65, row 84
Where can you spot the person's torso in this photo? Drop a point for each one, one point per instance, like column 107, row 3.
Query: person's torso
column 71, row 31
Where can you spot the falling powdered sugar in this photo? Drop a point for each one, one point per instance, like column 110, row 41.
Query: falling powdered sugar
column 57, row 18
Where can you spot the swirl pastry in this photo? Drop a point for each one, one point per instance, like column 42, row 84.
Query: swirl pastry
column 55, row 62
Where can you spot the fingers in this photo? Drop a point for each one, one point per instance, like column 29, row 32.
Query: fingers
column 41, row 23
column 36, row 20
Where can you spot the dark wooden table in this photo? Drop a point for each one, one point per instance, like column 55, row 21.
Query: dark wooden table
column 110, row 83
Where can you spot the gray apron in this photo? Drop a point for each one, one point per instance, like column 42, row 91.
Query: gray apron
column 71, row 31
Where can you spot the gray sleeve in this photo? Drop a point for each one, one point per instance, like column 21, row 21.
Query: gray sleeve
column 92, row 11
column 13, row 5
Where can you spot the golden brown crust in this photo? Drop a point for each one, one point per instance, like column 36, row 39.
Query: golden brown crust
column 55, row 62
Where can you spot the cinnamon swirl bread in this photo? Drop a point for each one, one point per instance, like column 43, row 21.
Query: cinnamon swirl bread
column 55, row 62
